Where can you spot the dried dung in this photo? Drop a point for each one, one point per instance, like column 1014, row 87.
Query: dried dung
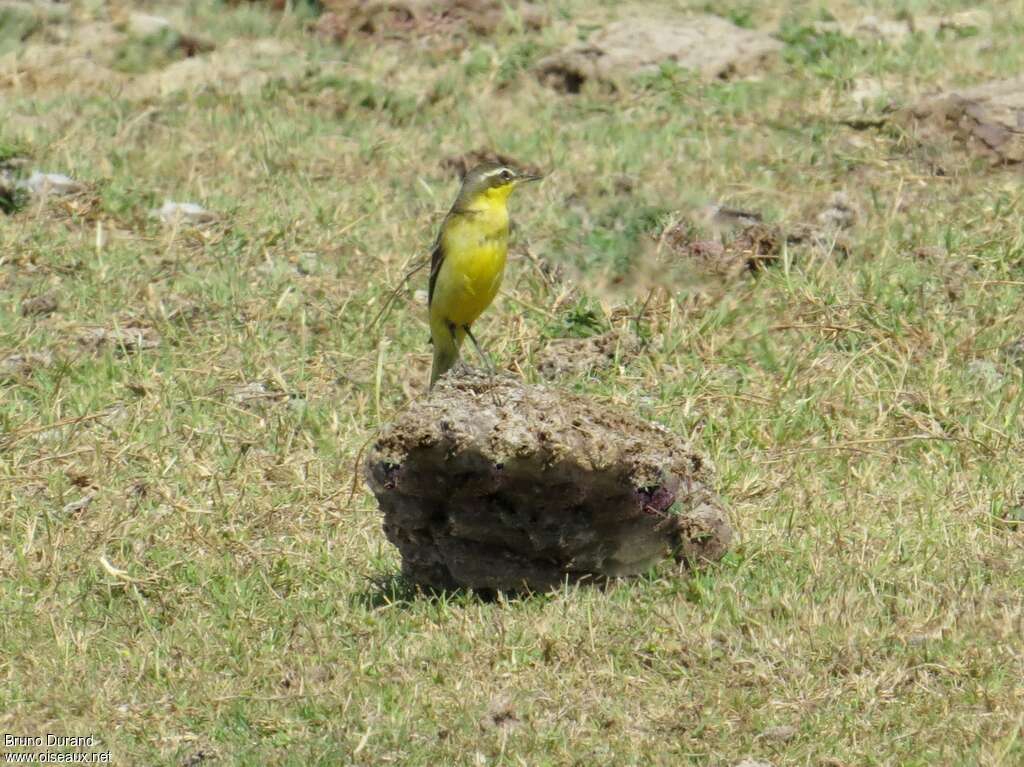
column 751, row 247
column 582, row 356
column 710, row 45
column 989, row 118
column 410, row 18
column 494, row 484
column 39, row 306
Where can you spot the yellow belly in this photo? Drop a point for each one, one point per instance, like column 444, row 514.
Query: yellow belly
column 467, row 284
column 474, row 263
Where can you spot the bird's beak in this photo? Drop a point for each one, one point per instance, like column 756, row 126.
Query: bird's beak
column 525, row 177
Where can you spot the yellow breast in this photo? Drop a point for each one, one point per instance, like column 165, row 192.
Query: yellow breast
column 475, row 247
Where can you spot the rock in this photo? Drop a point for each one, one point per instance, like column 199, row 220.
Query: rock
column 43, row 184
column 178, row 213
column 710, row 45
column 754, row 763
column 494, row 484
column 582, row 356
column 988, row 117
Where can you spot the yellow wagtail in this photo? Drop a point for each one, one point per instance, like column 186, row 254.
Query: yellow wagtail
column 469, row 259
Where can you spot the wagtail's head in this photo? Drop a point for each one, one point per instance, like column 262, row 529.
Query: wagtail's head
column 492, row 181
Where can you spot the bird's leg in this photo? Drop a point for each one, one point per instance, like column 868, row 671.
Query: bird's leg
column 491, row 371
column 487, row 360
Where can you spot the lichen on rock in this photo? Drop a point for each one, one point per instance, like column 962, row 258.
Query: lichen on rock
column 495, row 484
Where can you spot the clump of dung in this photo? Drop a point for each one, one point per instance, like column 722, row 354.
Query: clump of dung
column 495, row 484
column 564, row 357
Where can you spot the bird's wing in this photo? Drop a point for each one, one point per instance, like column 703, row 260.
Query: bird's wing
column 436, row 259
column 437, row 254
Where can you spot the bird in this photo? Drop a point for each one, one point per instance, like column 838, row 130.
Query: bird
column 468, row 260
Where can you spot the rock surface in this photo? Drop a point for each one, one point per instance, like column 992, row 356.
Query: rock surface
column 711, row 45
column 989, row 117
column 494, row 484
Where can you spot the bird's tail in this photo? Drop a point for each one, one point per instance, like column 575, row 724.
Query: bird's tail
column 446, row 349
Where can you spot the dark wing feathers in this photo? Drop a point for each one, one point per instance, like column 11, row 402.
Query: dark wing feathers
column 436, row 259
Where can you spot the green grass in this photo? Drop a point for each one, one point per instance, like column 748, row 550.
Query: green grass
column 227, row 595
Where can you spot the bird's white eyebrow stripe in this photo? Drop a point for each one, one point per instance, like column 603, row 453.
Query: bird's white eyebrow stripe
column 492, row 173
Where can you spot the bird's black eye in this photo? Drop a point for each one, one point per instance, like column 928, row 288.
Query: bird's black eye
column 506, row 175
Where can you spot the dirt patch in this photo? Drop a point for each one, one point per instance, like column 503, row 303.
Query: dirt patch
column 576, row 357
column 988, row 118
column 408, row 18
column 494, row 484
column 710, row 45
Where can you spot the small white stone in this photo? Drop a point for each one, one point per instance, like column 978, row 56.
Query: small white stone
column 41, row 184
column 145, row 24
column 184, row 213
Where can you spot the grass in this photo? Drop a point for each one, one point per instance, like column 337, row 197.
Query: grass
column 187, row 572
